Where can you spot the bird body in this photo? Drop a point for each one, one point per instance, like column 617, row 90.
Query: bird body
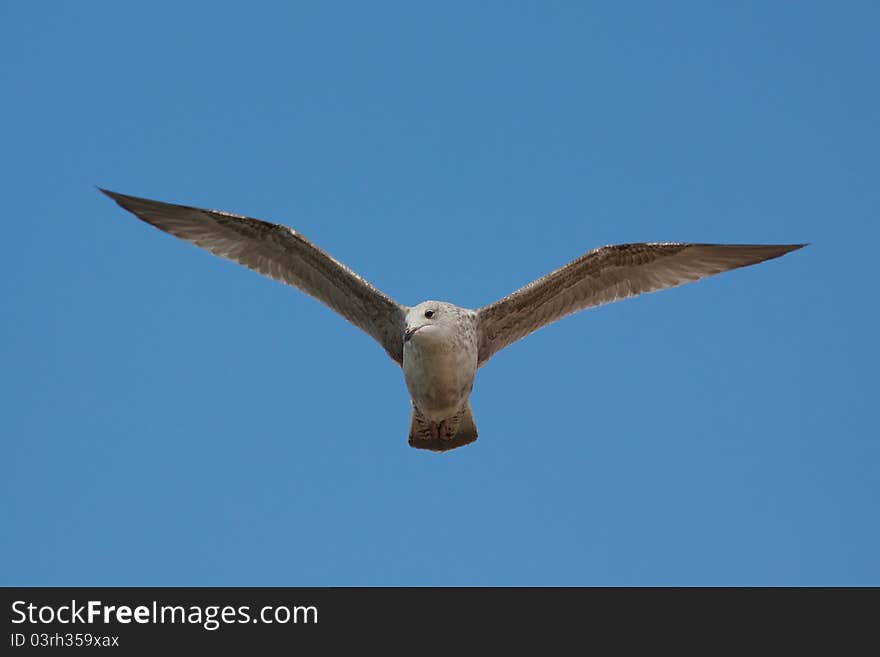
column 440, row 358
column 439, row 366
column 438, row 345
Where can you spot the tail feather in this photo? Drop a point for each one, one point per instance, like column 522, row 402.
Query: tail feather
column 424, row 434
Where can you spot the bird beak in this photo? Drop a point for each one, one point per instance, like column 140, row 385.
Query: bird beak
column 409, row 332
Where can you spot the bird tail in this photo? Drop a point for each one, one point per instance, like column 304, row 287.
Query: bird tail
column 424, row 434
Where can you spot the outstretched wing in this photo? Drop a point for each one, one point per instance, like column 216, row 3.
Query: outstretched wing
column 283, row 254
column 607, row 274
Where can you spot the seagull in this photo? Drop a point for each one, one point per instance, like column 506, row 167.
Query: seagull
column 438, row 345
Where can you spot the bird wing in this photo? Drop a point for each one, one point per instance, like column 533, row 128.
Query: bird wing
column 284, row 255
column 604, row 275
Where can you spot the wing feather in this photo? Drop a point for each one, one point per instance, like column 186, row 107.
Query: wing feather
column 283, row 254
column 605, row 275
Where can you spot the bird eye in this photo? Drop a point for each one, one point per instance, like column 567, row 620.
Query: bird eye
column 429, row 314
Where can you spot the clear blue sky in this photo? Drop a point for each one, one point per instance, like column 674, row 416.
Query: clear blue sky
column 169, row 418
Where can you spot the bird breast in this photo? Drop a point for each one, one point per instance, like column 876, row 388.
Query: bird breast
column 439, row 369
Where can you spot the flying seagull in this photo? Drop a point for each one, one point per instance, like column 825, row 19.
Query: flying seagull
column 439, row 345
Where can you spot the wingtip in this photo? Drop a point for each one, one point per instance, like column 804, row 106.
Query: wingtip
column 106, row 192
column 771, row 252
column 122, row 200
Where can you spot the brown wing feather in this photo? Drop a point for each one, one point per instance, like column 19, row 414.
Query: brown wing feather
column 607, row 274
column 284, row 255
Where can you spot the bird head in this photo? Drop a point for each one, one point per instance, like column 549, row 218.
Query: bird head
column 429, row 319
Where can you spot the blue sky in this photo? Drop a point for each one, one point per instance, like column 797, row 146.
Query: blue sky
column 170, row 418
